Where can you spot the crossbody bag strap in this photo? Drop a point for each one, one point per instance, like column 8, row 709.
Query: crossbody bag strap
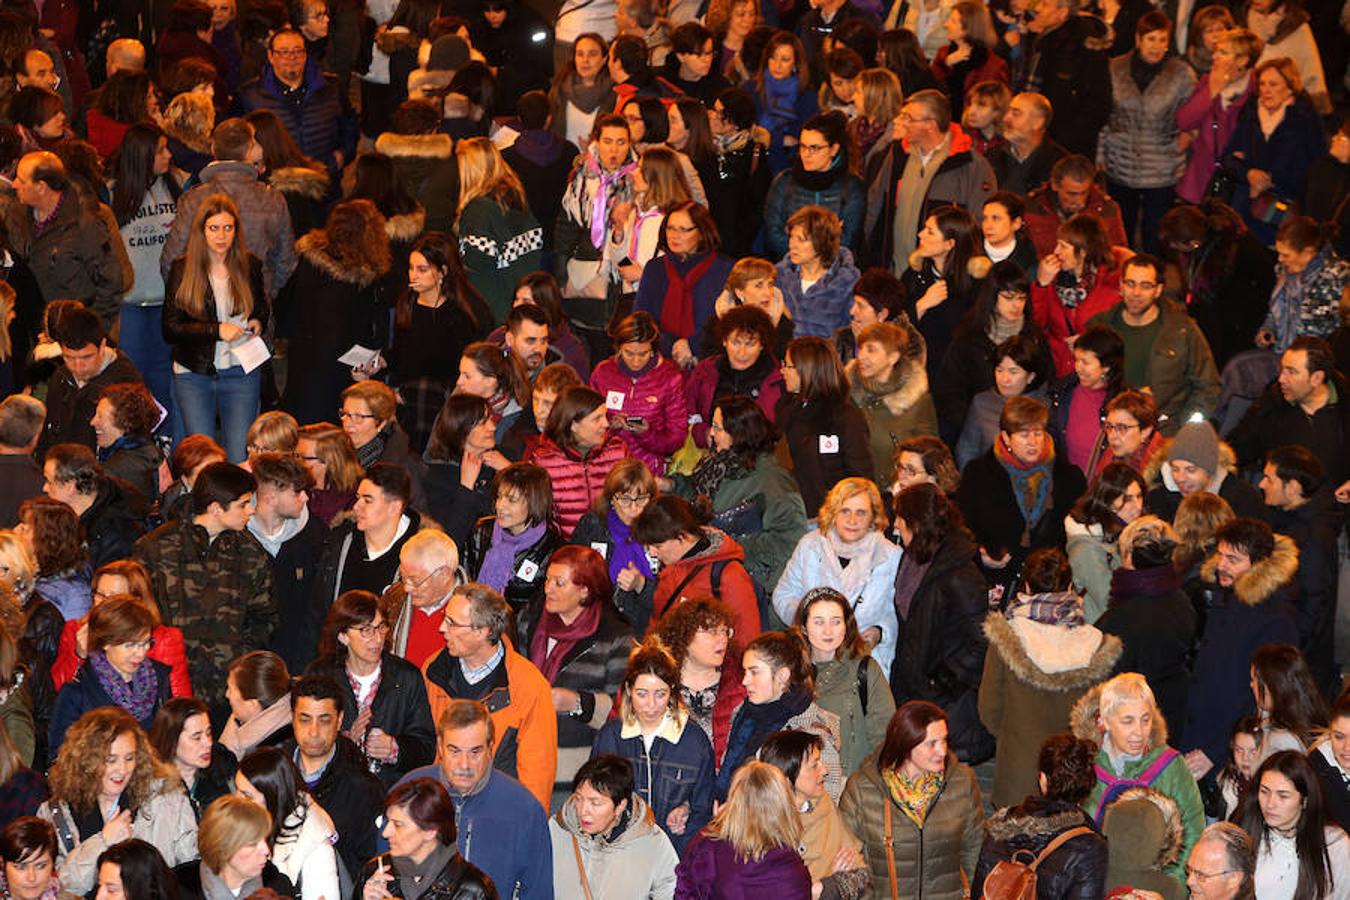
column 581, row 867
column 890, row 852
column 1060, row 840
column 675, row 594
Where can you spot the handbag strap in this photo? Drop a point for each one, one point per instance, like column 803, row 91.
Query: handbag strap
column 675, row 594
column 1060, row 840
column 890, row 852
column 581, row 867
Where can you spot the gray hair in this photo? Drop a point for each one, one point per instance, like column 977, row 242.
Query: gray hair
column 433, row 548
column 487, row 609
column 1239, row 853
column 21, row 419
column 1126, row 687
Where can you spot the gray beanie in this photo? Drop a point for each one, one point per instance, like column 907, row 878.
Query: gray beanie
column 1196, row 443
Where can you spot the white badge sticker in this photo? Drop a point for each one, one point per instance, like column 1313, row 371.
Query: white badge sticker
column 600, row 547
column 528, row 569
column 614, row 400
column 829, row 443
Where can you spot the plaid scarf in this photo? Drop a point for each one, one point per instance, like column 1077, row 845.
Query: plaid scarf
column 1031, row 483
column 1058, row 608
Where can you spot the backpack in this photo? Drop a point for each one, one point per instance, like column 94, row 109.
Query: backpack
column 1115, row 786
column 715, row 582
column 1015, row 879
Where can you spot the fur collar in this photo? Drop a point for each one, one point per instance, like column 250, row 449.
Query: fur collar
column 1052, row 658
column 777, row 308
column 1263, row 579
column 671, row 730
column 1083, row 720
column 406, row 227
column 1173, row 836
column 1013, row 822
column 434, row 146
column 1156, row 471
column 392, row 40
column 908, row 374
column 314, row 247
column 977, row 266
column 311, row 183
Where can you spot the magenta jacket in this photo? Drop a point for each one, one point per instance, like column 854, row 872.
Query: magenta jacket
column 656, row 394
column 576, row 481
column 1213, row 126
column 702, row 386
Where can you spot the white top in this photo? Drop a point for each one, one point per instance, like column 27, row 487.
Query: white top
column 364, row 683
column 1277, row 866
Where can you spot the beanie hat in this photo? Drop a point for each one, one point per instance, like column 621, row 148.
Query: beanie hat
column 449, row 52
column 1196, row 443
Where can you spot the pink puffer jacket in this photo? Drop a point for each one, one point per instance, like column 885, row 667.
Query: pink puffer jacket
column 656, row 394
column 576, row 481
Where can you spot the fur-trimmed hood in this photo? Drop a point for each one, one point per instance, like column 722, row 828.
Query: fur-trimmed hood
column 417, row 146
column 1052, row 657
column 777, row 308
column 1044, row 817
column 1083, row 720
column 977, row 266
column 315, row 248
column 907, row 386
column 311, row 183
column 406, row 226
column 1136, row 841
column 391, row 40
column 1156, row 471
column 1264, row 578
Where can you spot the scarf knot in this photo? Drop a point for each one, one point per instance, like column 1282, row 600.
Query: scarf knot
column 1031, row 482
column 564, row 637
column 610, row 183
column 677, row 312
column 915, row 798
column 501, row 554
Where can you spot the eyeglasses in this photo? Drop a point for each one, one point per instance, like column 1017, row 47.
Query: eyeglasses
column 137, row 645
column 1206, row 876
column 786, row 365
column 681, row 229
column 289, row 54
column 451, row 623
column 906, row 117
column 631, row 499
column 343, row 414
column 370, row 629
column 813, row 148
column 413, row 584
column 912, row 471
column 719, row 631
column 1118, row 427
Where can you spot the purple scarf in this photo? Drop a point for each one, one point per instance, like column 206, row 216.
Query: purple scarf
column 501, row 556
column 625, row 550
column 600, row 203
column 137, row 696
column 1157, row 581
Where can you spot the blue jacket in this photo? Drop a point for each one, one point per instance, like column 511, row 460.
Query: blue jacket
column 824, row 307
column 320, row 124
column 502, row 830
column 838, row 190
column 1287, row 155
column 83, row 693
column 655, row 283
column 678, row 770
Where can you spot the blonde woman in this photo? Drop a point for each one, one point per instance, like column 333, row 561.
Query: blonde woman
column 751, row 844
column 18, row 568
column 499, row 239
column 878, row 100
column 658, row 184
column 188, row 122
column 214, row 304
column 234, row 854
column 273, row 432
column 330, row 458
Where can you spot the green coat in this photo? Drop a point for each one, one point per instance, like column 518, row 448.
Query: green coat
column 896, row 411
column 837, row 692
column 498, row 246
column 16, row 711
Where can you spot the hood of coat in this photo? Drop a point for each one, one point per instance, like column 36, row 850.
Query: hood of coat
column 1083, row 720
column 977, row 266
column 777, row 308
column 406, row 227
column 1156, row 471
column 316, row 248
column 415, row 146
column 1144, row 829
column 302, row 180
column 641, row 824
column 1052, row 657
column 1037, row 818
column 907, row 386
column 1263, row 579
column 392, row 40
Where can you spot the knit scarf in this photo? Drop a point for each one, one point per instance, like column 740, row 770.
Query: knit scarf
column 867, row 133
column 125, row 442
column 242, row 739
column 1031, row 482
column 136, row 696
column 584, row 97
column 1054, row 608
column 714, row 468
column 499, row 402
column 501, row 554
column 564, row 637
column 756, row 721
column 863, row 556
column 611, row 187
column 915, row 798
column 677, row 311
column 369, row 454
column 780, row 103
column 625, row 550
column 1073, row 291
column 1000, row 329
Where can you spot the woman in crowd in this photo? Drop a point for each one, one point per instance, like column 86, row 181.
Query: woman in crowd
column 817, row 274
column 55, row 539
column 1123, row 718
column 904, row 52
column 915, row 808
column 302, row 836
column 1076, row 865
column 1004, row 237
column 643, row 391
column 1130, row 426
column 1291, row 708
column 384, row 699
column 607, row 527
column 739, row 176
column 188, row 122
column 181, row 736
column 1022, row 366
column 781, row 88
column 968, row 57
column 699, row 634
column 1042, row 656
column 214, row 305
column 369, row 414
column 751, row 844
column 498, row 236
column 1299, row 851
column 924, row 460
column 1329, row 757
column 581, row 91
column 108, row 785
column 943, row 279
column 22, row 790
column 509, row 551
column 892, row 390
column 878, row 296
column 780, row 694
column 1309, row 279
column 378, row 181
column 302, row 181
column 659, row 185
column 577, row 450
column 124, row 423
column 827, row 435
column 985, row 104
column 577, row 639
column 831, row 853
column 330, row 458
column 681, row 289
column 822, row 176
column 731, row 23
column 850, row 682
column 123, row 100
column 499, row 378
column 135, row 870
column 1079, row 399
column 334, row 300
column 879, row 100
column 273, row 432
column 1245, row 757
column 233, row 841
column 839, row 88
column 671, row 756
column 1113, row 500
column 28, row 860
column 745, row 366
column 1149, row 613
column 258, row 689
column 461, row 461
column 117, row 672
column 1211, row 112
column 1073, row 284
column 39, row 116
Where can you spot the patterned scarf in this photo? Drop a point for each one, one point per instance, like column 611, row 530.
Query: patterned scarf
column 1057, row 608
column 1073, row 291
column 714, row 468
column 1031, row 482
column 915, row 798
column 136, row 696
column 368, row 454
column 610, row 188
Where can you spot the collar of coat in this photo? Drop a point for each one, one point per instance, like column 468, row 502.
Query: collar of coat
column 311, row 183
column 671, row 730
column 961, row 152
column 416, row 146
column 907, row 386
column 318, row 250
column 1263, row 579
column 1054, row 665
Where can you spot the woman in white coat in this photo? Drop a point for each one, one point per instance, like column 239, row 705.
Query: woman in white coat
column 303, row 836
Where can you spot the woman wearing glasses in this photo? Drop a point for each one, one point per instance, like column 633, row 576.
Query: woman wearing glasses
column 368, row 416
column 384, row 699
column 608, row 529
column 822, row 175
column 118, row 671
column 680, row 289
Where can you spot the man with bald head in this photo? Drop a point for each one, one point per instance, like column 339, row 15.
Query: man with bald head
column 1024, row 162
column 125, row 55
column 427, row 567
column 37, row 69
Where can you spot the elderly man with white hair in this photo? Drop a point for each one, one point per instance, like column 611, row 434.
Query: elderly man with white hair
column 428, row 568
column 1222, row 865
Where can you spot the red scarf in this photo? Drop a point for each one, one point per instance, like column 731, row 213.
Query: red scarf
column 565, row 637
column 677, row 313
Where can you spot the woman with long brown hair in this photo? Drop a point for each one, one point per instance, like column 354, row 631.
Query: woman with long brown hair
column 330, row 458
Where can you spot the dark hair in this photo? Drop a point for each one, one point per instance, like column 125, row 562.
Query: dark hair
column 279, row 149
column 1153, row 20
column 1004, row 276
column 525, row 312
column 441, row 251
column 1314, row 864
column 1068, row 762
column 699, row 146
column 786, row 650
column 78, row 327
column 907, row 729
column 378, row 181
column 709, row 241
column 786, row 751
column 572, row 405
column 937, row 460
column 819, row 368
column 738, row 107
column 635, row 328
column 655, row 122
column 133, row 170
column 428, row 805
column 509, row 372
column 221, row 483
column 608, row 774
column 631, row 53
column 532, row 108
column 1012, row 203
column 1320, row 356
column 930, row 516
column 351, row 609
column 123, row 96
column 134, row 410
column 273, row 775
column 1296, row 704
column 1294, row 462
column 58, row 537
column 1086, row 233
column 1029, row 351
column 689, row 38
column 1097, row 505
column 1299, row 232
column 959, row 226
column 545, row 294
column 145, row 876
column 665, row 518
column 1046, row 571
column 284, row 470
column 77, row 463
column 34, row 106
column 532, row 483
column 833, row 127
column 1144, row 261
column 458, row 416
column 25, row 836
column 416, row 117
column 752, row 434
column 747, row 319
column 1103, row 342
column 188, row 15
column 858, row 35
column 169, row 722
column 1250, row 536
column 260, row 675
column 317, row 687
column 882, row 291
column 392, row 479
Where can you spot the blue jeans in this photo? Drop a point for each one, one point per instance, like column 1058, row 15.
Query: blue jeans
column 143, row 341
column 230, row 393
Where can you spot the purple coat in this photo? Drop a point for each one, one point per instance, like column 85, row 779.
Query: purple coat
column 701, row 388
column 656, row 394
column 1213, row 125
column 711, row 870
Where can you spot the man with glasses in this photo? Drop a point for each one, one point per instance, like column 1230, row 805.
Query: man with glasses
column 1222, row 864
column 1165, row 351
column 428, row 565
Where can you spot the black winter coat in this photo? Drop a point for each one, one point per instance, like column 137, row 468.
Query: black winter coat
column 189, row 878
column 194, row 340
column 1076, row 870
column 1335, row 789
column 968, row 368
column 990, row 508
column 736, row 183
column 70, row 406
column 453, row 506
column 940, row 645
column 635, row 606
column 319, row 124
column 344, row 542
column 459, row 880
column 1070, row 67
column 806, row 427
column 352, row 797
column 400, row 708
column 1229, row 280
column 295, row 569
column 519, row 592
column 114, row 522
column 1273, row 422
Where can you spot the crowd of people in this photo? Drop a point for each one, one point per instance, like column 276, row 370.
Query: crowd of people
column 457, row 450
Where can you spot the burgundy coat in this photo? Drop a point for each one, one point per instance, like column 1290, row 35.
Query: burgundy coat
column 702, row 386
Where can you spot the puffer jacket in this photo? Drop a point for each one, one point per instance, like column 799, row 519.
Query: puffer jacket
column 577, row 481
column 520, row 592
column 638, row 862
column 319, row 125
column 928, row 860
column 823, row 307
column 677, row 770
column 896, row 411
column 836, row 189
column 737, row 588
column 1139, row 143
column 656, row 395
column 1033, row 675
column 1076, row 870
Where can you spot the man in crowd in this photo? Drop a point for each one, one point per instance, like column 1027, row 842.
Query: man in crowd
column 526, row 338
column 1196, row 461
column 21, row 421
column 88, row 365
column 1025, row 161
column 1073, row 189
column 36, row 68
column 1222, row 864
column 363, row 554
column 1069, row 66
column 112, row 512
column 428, row 562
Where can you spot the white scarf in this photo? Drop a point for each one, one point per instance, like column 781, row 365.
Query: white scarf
column 864, row 556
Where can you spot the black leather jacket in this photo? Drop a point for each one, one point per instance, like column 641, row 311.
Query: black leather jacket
column 193, row 339
column 459, row 880
column 520, row 592
column 1075, row 871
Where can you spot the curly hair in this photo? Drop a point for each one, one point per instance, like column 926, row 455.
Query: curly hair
column 1067, row 762
column 57, row 535
column 357, row 238
column 846, row 489
column 133, row 408
column 677, row 628
column 76, row 775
